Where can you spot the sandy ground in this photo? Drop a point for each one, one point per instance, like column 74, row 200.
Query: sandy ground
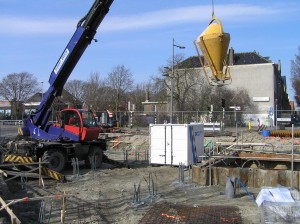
column 107, row 196
column 126, row 195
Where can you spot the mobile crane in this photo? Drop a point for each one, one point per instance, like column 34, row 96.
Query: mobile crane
column 58, row 143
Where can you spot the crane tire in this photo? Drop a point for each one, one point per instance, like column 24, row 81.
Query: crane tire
column 55, row 160
column 96, row 153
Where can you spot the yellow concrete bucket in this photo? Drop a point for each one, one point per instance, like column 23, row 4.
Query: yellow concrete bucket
column 214, row 43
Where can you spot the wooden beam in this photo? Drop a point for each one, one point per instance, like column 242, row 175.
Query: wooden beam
column 13, row 217
column 269, row 156
column 3, row 173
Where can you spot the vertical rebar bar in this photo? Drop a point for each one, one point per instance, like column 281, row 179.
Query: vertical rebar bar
column 50, row 211
column 42, row 212
column 75, row 164
column 181, row 172
column 139, row 193
column 23, row 181
column 136, row 193
column 155, row 183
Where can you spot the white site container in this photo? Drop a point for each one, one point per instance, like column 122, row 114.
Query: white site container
column 172, row 144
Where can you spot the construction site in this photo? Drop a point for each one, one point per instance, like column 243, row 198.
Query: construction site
column 127, row 188
column 188, row 168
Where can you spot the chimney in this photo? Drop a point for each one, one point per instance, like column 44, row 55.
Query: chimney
column 231, row 57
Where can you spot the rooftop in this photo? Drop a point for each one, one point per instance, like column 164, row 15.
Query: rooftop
column 244, row 58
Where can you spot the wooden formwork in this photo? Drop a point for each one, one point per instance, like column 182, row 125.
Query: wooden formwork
column 249, row 176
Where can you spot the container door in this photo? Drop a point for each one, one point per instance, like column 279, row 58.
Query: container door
column 158, row 145
column 179, row 146
column 169, row 144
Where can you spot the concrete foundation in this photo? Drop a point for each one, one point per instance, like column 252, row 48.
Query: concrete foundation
column 250, row 177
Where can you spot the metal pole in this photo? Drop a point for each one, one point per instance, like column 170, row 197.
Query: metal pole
column 276, row 114
column 235, row 119
column 172, row 78
column 171, row 127
column 223, row 125
column 155, row 114
column 292, row 162
column 172, row 85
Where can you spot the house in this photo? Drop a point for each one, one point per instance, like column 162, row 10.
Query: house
column 5, row 110
column 64, row 101
column 260, row 76
column 155, row 111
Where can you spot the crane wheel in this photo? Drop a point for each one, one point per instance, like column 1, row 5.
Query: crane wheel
column 95, row 155
column 55, row 160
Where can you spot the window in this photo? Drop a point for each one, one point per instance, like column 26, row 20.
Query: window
column 88, row 119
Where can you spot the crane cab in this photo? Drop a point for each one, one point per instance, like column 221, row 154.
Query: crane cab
column 81, row 123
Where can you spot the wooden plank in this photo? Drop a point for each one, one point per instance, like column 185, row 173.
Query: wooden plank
column 13, row 217
column 3, row 173
column 21, row 174
column 269, row 156
column 243, row 143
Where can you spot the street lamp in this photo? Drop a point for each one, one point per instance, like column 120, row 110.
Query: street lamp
column 172, row 78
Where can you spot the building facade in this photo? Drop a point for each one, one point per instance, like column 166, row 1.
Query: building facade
column 261, row 78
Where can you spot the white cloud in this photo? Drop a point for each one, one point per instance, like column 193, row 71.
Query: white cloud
column 19, row 25
column 160, row 18
column 194, row 14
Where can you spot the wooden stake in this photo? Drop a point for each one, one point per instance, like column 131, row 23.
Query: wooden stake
column 63, row 211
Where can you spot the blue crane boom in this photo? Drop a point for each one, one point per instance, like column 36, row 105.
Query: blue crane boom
column 76, row 134
column 83, row 36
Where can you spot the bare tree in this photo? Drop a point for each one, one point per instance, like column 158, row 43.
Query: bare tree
column 96, row 93
column 76, row 88
column 120, row 81
column 192, row 92
column 295, row 76
column 140, row 93
column 17, row 88
column 186, row 83
column 156, row 87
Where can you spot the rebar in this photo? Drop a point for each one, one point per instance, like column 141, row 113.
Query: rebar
column 50, row 211
column 75, row 165
column 137, row 194
column 42, row 212
column 152, row 184
column 23, row 181
column 181, row 168
column 125, row 152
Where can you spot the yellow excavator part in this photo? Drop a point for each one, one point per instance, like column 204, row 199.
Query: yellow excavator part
column 214, row 43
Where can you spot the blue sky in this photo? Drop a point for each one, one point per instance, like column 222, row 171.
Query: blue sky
column 138, row 33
